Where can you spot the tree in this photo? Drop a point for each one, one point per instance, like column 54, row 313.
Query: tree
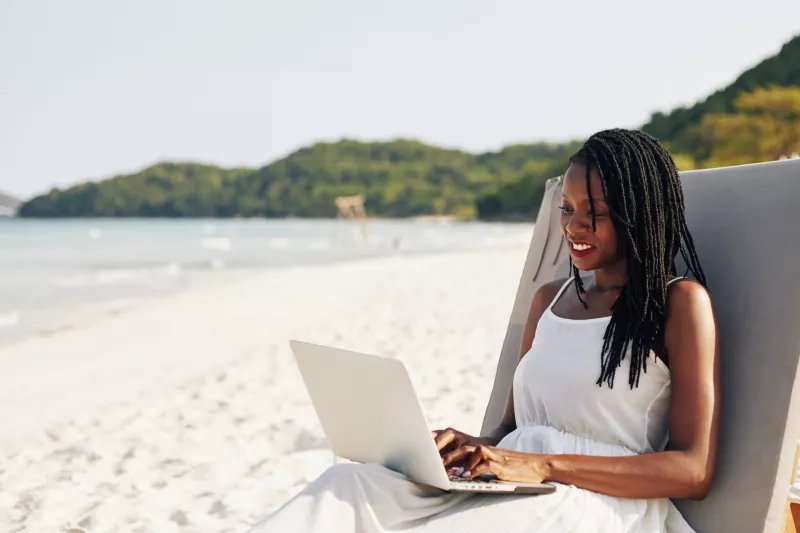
column 765, row 126
column 678, row 128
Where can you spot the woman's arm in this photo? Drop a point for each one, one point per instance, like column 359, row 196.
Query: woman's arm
column 686, row 469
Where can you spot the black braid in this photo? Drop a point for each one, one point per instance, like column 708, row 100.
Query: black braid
column 645, row 199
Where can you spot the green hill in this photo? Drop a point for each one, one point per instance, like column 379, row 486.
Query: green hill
column 399, row 179
column 163, row 190
column 678, row 128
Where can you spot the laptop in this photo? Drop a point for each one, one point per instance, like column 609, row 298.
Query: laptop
column 370, row 414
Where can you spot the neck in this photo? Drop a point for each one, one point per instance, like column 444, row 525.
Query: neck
column 611, row 278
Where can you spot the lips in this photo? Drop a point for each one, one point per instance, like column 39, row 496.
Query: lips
column 580, row 249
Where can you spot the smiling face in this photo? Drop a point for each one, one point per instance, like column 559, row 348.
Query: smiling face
column 590, row 249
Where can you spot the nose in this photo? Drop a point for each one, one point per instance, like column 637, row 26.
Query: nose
column 579, row 224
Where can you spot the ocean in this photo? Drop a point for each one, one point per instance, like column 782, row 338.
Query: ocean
column 57, row 274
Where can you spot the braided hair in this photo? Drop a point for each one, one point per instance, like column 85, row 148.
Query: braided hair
column 643, row 192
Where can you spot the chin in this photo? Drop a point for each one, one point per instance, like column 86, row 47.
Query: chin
column 584, row 265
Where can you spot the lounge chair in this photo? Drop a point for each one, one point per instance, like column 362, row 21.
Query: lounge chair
column 745, row 222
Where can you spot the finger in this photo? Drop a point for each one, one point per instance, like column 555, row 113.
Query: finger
column 478, row 456
column 458, row 455
column 486, row 467
column 490, row 454
column 441, row 439
column 444, row 439
column 455, row 471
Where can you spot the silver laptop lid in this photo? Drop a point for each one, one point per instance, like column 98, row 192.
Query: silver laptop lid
column 369, row 411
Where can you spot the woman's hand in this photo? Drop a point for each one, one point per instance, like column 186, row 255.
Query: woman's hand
column 507, row 465
column 450, row 440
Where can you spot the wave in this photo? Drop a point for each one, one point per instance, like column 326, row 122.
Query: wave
column 216, row 264
column 217, row 243
column 319, row 245
column 117, row 276
column 8, row 320
column 278, row 243
column 172, row 269
column 506, row 240
column 313, row 244
column 100, row 278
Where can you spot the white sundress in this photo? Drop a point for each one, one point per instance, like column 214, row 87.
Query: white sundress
column 559, row 409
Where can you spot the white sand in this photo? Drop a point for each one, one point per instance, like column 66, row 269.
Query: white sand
column 188, row 413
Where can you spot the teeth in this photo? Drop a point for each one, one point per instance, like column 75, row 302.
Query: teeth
column 581, row 247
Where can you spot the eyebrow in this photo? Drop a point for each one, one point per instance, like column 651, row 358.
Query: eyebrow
column 595, row 200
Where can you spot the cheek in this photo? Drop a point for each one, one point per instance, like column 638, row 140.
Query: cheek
column 608, row 237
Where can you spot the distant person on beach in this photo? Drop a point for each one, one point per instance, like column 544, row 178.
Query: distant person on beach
column 615, row 399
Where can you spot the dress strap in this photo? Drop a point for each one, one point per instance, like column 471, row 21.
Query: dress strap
column 673, row 280
column 569, row 281
column 560, row 292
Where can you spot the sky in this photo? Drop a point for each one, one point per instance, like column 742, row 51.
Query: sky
column 94, row 88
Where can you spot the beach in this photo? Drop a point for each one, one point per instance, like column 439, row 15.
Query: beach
column 187, row 413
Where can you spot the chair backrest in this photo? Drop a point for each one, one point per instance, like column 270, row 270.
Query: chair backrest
column 746, row 226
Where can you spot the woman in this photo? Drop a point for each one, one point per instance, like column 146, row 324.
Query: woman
column 615, row 398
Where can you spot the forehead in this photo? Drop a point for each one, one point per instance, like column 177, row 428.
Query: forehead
column 574, row 184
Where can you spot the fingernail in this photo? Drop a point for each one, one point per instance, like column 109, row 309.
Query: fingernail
column 466, row 473
column 459, row 470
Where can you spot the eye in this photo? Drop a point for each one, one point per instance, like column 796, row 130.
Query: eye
column 596, row 215
column 565, row 209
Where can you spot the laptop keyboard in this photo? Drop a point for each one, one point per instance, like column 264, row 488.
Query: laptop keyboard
column 481, row 485
column 460, row 479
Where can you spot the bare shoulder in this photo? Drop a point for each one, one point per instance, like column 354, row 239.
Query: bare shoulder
column 690, row 331
column 688, row 297
column 545, row 294
column 541, row 300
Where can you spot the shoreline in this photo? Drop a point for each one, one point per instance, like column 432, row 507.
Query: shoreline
column 98, row 267
column 87, row 314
